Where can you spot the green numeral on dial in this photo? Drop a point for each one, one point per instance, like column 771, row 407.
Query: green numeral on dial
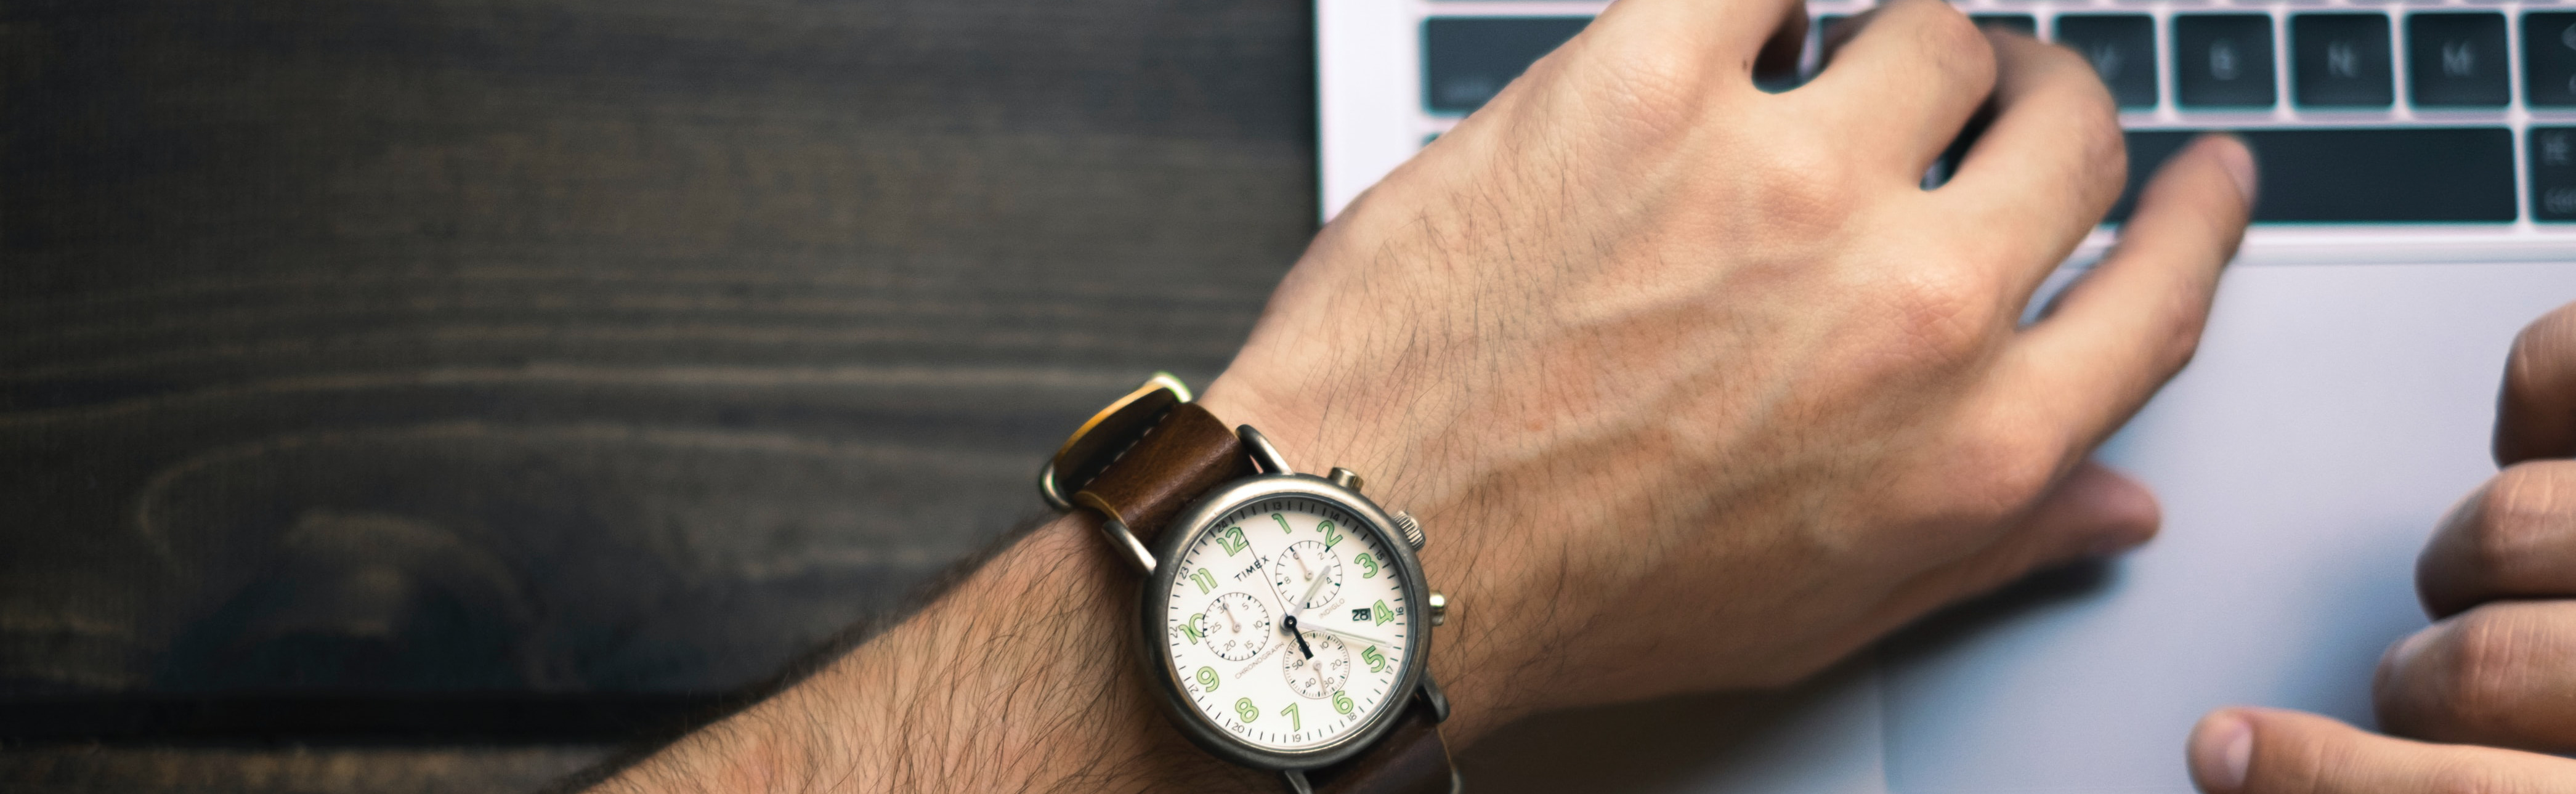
column 1383, row 614
column 1232, row 541
column 1295, row 723
column 1207, row 582
column 1342, row 701
column 1283, row 523
column 1330, row 536
column 1190, row 628
column 1207, row 679
column 1376, row 661
column 1368, row 566
column 1243, row 708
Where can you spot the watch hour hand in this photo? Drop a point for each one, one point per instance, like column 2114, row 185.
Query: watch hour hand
column 1290, row 623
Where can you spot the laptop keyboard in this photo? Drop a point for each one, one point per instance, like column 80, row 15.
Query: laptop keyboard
column 2361, row 113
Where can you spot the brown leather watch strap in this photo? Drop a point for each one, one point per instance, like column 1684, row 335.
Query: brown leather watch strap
column 1409, row 759
column 1184, row 456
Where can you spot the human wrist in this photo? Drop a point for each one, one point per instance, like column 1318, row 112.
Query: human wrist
column 1041, row 636
column 1022, row 677
column 1472, row 653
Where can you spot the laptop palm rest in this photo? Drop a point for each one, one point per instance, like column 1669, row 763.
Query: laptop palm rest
column 2333, row 414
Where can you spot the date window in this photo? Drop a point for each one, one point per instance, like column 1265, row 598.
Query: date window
column 1360, row 615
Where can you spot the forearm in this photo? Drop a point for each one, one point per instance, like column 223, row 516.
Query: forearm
column 1023, row 678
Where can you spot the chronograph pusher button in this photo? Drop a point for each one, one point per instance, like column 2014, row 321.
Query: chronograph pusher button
column 1345, row 478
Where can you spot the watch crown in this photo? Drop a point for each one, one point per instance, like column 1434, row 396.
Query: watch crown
column 1411, row 529
column 1439, row 608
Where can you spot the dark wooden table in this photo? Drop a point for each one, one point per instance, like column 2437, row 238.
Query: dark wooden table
column 568, row 356
column 424, row 396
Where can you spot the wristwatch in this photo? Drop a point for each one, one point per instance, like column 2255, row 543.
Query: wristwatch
column 1284, row 619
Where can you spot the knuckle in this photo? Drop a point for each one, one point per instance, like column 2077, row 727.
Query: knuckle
column 2000, row 469
column 1656, row 88
column 1804, row 192
column 1955, row 46
column 1951, row 37
column 2521, row 509
column 2178, row 335
column 1941, row 317
column 2104, row 151
column 2489, row 657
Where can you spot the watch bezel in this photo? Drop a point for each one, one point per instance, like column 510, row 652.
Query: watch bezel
column 1198, row 520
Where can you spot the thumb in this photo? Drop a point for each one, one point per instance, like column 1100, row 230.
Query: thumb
column 2093, row 512
column 2264, row 751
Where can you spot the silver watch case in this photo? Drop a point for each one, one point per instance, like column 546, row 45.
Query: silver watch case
column 1201, row 518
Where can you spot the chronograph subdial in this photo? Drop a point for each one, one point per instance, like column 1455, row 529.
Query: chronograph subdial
column 1295, row 573
column 1238, row 626
column 1318, row 678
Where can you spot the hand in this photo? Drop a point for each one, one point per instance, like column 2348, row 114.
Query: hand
column 1359, row 638
column 1289, row 624
column 1693, row 385
column 1313, row 583
column 2498, row 669
column 1697, row 384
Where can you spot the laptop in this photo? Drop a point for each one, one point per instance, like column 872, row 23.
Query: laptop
column 2418, row 208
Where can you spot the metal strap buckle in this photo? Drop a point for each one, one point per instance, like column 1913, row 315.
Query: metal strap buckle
column 1106, row 436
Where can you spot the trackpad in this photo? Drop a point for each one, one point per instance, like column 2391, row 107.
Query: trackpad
column 2333, row 414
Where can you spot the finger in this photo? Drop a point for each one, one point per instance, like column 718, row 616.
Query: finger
column 2514, row 538
column 2093, row 512
column 2047, row 167
column 1743, row 37
column 1902, row 80
column 2131, row 323
column 2503, row 674
column 2536, row 413
column 2263, row 751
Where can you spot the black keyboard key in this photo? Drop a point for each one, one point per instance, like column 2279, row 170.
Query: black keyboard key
column 2341, row 60
column 2023, row 24
column 2549, row 58
column 2457, row 60
column 2400, row 175
column 2122, row 48
column 2223, row 60
column 2553, row 173
column 1467, row 60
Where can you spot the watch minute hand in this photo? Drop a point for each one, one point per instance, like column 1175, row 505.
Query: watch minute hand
column 1348, row 635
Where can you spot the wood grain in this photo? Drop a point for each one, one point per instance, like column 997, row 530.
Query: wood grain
column 585, row 345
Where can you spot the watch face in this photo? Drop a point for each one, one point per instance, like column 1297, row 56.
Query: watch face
column 1261, row 570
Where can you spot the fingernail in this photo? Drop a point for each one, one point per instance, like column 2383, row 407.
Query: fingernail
column 2220, row 751
column 2238, row 159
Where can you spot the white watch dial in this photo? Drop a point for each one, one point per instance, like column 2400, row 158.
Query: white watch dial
column 1275, row 563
